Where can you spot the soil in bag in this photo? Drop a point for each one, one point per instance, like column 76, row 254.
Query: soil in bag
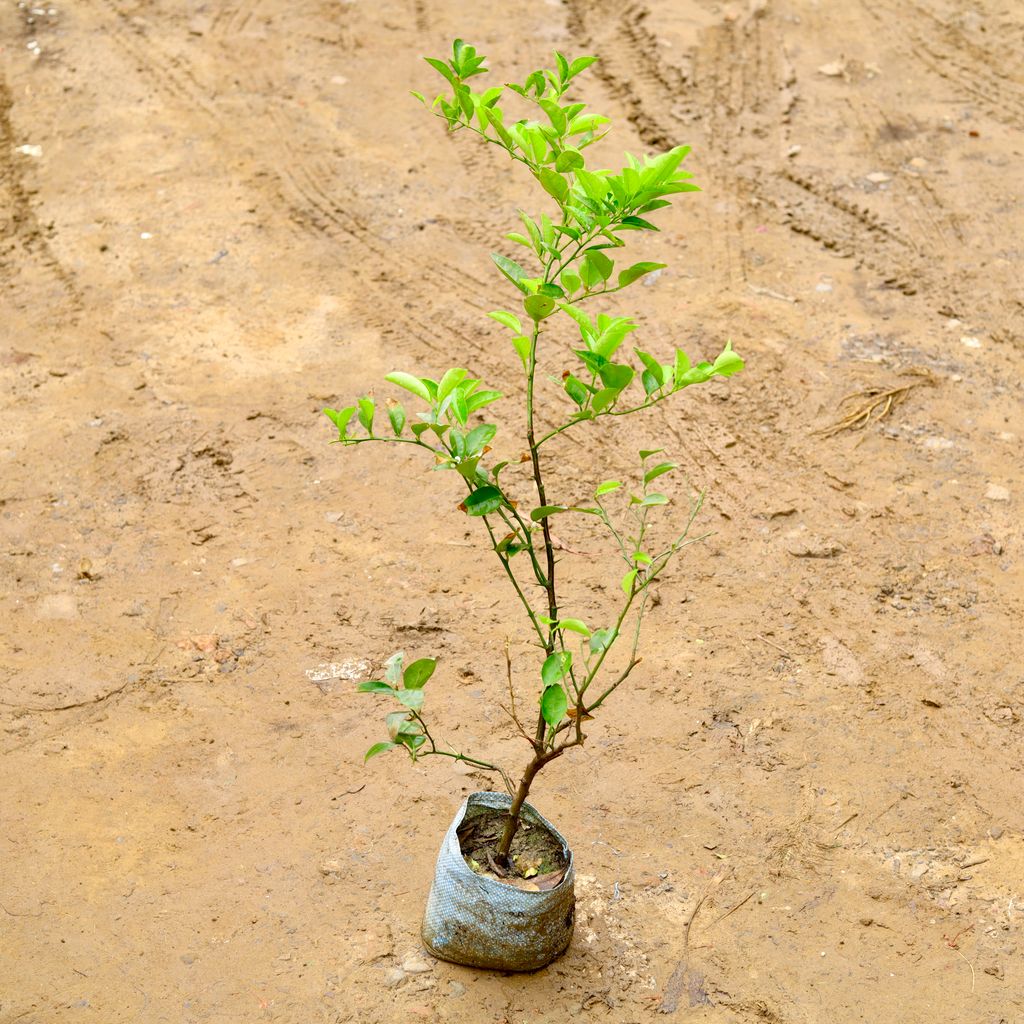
column 537, row 860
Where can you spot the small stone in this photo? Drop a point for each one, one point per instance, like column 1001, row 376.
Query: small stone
column 996, row 833
column 969, row 342
column 456, row 989
column 996, row 492
column 330, row 867
column 918, row 163
column 877, row 177
column 58, row 606
column 833, row 69
column 793, row 151
column 416, row 965
column 393, row 977
column 815, row 547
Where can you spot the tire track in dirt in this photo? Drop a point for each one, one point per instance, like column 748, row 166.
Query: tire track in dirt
column 304, row 185
column 736, row 90
column 811, row 206
column 629, row 68
column 323, row 214
column 20, row 229
column 233, row 19
column 170, row 74
column 990, row 77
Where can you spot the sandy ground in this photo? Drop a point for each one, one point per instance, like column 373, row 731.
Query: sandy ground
column 237, row 215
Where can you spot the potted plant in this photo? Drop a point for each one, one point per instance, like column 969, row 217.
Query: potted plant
column 502, row 895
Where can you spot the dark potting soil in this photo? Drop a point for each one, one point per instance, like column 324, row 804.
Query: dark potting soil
column 537, row 860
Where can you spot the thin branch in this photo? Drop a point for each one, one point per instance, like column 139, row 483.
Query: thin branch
column 511, row 710
column 455, row 756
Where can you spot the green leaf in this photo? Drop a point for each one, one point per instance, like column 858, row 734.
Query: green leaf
column 607, row 487
column 595, row 185
column 416, row 675
column 366, row 414
column 646, row 453
column 441, row 68
column 727, row 362
column 400, row 724
column 556, row 666
column 509, row 320
column 627, row 582
column 650, row 500
column 654, row 368
column 575, row 625
column 601, row 640
column 511, row 270
column 580, row 64
column 522, row 346
column 638, row 270
column 637, row 224
column 659, row 470
column 483, row 501
column 600, row 263
column 396, row 414
column 341, row 418
column 378, row 748
column 448, row 382
column 563, row 67
column 604, row 399
column 412, row 699
column 479, row 437
column 553, row 183
column 546, row 510
column 570, row 281
column 419, row 96
column 555, row 115
column 613, row 331
column 616, row 375
column 393, row 668
column 375, row 686
column 586, row 123
column 568, row 160
column 682, row 365
column 410, row 383
column 553, row 704
column 539, row 307
column 515, row 236
column 586, row 325
column 576, row 390
column 412, row 743
column 459, row 408
column 534, row 232
column 478, row 399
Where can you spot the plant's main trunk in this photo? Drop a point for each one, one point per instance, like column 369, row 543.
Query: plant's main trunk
column 512, row 821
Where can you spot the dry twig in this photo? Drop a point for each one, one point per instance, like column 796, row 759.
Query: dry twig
column 876, row 402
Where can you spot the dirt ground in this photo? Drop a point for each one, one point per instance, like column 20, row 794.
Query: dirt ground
column 216, row 218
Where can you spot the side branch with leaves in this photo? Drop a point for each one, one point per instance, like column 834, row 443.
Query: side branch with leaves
column 571, row 251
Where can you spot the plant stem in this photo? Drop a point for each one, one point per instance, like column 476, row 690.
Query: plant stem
column 538, row 477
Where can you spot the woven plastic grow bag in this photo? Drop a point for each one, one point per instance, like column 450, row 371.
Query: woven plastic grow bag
column 481, row 922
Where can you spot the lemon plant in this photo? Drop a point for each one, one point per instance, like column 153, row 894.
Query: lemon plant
column 570, row 261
